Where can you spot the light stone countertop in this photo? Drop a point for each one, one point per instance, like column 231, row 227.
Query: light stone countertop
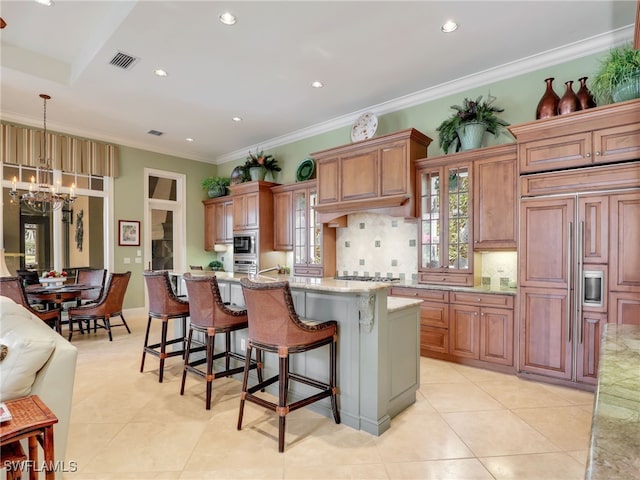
column 614, row 452
column 395, row 304
column 454, row 288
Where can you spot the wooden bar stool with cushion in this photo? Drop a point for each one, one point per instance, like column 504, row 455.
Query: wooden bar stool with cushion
column 164, row 305
column 110, row 305
column 275, row 327
column 210, row 316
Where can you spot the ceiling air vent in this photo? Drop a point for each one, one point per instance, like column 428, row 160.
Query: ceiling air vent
column 123, row 60
column 155, row 132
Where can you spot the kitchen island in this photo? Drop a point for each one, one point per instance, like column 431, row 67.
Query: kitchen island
column 378, row 345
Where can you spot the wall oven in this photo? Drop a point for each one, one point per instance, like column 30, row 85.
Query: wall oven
column 244, row 243
column 245, row 264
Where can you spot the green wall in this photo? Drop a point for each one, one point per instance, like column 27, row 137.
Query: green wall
column 129, row 205
column 518, row 96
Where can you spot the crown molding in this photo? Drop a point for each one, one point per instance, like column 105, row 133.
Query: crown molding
column 532, row 63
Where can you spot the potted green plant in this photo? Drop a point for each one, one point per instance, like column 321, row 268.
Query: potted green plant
column 465, row 128
column 216, row 266
column 258, row 164
column 618, row 78
column 215, row 186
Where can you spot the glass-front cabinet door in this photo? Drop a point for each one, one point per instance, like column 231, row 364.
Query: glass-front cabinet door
column 308, row 232
column 446, row 224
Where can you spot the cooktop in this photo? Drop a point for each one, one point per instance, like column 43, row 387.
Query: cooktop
column 367, row 279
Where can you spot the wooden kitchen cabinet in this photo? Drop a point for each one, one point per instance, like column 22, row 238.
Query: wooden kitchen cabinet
column 218, row 222
column 589, row 347
column 296, row 224
column 445, row 231
column 600, row 135
column 252, row 201
column 373, row 175
column 495, row 177
column 475, row 328
column 624, row 234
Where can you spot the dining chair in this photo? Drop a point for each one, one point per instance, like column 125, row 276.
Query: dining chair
column 13, row 288
column 275, row 327
column 163, row 305
column 94, row 277
column 108, row 306
column 28, row 277
column 209, row 316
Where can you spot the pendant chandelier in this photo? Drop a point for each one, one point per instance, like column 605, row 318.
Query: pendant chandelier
column 42, row 196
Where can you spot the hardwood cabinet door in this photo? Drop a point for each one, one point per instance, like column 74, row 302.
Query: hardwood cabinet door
column 283, row 213
column 555, row 153
column 239, row 212
column 545, row 332
column 495, row 203
column 546, row 235
column 593, row 228
column 394, row 175
column 624, row 308
column 359, row 175
column 327, row 173
column 220, row 221
column 464, row 331
column 252, row 210
column 228, row 222
column 624, row 267
column 617, row 143
column 433, row 340
column 209, row 226
column 588, row 351
column 496, row 335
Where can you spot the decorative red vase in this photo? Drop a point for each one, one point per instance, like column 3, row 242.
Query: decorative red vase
column 584, row 95
column 569, row 101
column 548, row 104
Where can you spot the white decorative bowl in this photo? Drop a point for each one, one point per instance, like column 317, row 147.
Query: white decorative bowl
column 52, row 282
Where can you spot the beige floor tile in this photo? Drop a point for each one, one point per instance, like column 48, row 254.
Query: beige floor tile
column 579, row 397
column 547, row 466
column 459, row 469
column 425, row 437
column 236, row 473
column 569, row 428
column 495, row 433
column 439, row 371
column 458, row 397
column 580, row 455
column 336, row 472
column 86, row 440
column 158, row 447
column 479, row 375
column 522, row 394
column 124, row 476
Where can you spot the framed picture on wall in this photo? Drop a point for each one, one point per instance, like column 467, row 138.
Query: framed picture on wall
column 129, row 233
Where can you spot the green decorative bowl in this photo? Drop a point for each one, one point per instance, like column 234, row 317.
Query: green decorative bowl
column 627, row 90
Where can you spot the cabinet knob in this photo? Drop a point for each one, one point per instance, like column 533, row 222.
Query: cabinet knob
column 479, row 299
column 597, row 154
column 588, row 154
column 444, row 278
column 475, row 314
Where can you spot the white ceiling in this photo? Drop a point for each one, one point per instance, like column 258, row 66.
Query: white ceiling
column 366, row 53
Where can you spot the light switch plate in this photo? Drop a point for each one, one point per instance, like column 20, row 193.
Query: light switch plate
column 138, row 260
column 126, row 260
column 138, row 253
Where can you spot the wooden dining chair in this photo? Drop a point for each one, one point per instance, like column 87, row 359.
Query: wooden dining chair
column 110, row 305
column 94, row 277
column 12, row 287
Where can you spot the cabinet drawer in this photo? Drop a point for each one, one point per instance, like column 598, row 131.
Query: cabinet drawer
column 447, row 279
column 555, row 153
column 433, row 314
column 308, row 271
column 482, row 299
column 432, row 295
column 434, row 339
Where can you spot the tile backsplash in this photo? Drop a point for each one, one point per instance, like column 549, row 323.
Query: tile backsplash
column 374, row 244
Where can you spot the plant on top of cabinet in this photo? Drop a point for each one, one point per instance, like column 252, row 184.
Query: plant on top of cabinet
column 618, row 78
column 465, row 128
column 215, row 186
column 258, row 164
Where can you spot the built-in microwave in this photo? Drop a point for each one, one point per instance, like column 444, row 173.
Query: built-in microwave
column 244, row 243
column 592, row 288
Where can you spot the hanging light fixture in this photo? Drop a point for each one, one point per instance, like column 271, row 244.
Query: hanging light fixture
column 42, row 196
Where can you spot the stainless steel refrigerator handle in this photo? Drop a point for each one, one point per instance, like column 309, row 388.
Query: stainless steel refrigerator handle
column 579, row 282
column 569, row 249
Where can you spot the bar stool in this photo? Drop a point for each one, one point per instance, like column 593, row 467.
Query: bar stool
column 275, row 327
column 163, row 305
column 211, row 317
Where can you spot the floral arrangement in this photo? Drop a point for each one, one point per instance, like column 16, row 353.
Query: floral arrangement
column 260, row 159
column 54, row 274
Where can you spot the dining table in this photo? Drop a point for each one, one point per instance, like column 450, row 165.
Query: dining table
column 56, row 295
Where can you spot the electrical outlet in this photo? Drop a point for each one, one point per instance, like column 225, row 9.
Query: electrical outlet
column 243, row 345
column 500, row 267
column 126, row 260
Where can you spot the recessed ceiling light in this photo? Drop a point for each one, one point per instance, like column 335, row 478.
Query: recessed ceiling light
column 317, row 84
column 227, row 18
column 449, row 26
column 46, row 3
column 160, row 73
column 189, row 139
column 237, row 119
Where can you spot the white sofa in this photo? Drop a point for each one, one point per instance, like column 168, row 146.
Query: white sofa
column 30, row 342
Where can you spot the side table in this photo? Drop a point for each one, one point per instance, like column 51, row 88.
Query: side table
column 31, row 419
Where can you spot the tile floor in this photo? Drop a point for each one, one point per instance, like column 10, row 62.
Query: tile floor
column 467, row 423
